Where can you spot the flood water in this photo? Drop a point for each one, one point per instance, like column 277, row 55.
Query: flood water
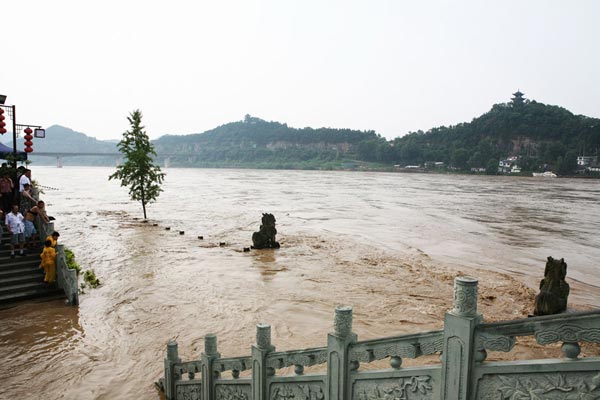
column 387, row 244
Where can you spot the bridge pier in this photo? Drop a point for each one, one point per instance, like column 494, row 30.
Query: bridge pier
column 59, row 161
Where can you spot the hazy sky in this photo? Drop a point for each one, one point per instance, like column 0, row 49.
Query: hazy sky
column 391, row 66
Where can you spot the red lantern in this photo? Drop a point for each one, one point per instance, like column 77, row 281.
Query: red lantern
column 2, row 123
column 28, row 143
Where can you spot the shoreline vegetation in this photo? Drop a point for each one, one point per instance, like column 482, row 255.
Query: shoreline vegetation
column 519, row 137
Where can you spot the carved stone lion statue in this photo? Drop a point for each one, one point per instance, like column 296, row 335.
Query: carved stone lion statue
column 265, row 237
column 554, row 290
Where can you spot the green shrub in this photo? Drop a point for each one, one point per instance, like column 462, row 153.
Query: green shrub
column 70, row 258
column 89, row 277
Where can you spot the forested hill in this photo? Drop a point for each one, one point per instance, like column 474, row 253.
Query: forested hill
column 541, row 137
column 254, row 142
column 539, row 134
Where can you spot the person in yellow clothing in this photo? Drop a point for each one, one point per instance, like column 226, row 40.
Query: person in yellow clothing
column 49, row 262
column 53, row 238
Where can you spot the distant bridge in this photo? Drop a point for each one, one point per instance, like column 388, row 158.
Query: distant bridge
column 60, row 155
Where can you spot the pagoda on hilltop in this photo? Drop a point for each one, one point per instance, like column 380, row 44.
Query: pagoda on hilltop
column 518, row 99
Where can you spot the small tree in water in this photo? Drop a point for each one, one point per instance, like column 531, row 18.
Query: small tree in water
column 138, row 172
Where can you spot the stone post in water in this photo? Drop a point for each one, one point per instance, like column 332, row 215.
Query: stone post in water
column 459, row 347
column 259, row 362
column 338, row 361
column 170, row 374
column 208, row 357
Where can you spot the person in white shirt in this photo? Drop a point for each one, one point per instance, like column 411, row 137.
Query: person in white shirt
column 24, row 179
column 16, row 228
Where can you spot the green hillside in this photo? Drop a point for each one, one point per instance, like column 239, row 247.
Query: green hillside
column 256, row 143
column 539, row 134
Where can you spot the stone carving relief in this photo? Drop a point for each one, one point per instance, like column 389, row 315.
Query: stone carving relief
column 189, row 392
column 495, row 342
column 380, row 351
column 568, row 333
column 548, row 386
column 233, row 392
column 408, row 388
column 432, row 345
column 342, row 323
column 301, row 391
column 304, row 358
column 239, row 364
column 465, row 298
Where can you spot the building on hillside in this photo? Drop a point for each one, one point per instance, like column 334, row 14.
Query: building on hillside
column 517, row 99
column 509, row 166
column 584, row 161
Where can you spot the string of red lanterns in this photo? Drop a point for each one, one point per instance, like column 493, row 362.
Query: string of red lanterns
column 2, row 123
column 28, row 142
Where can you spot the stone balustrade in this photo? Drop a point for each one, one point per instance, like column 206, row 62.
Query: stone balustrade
column 463, row 374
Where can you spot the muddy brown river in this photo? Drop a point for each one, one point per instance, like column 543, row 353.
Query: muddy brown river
column 387, row 244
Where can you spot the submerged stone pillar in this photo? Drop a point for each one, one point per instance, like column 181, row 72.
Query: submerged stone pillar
column 338, row 361
column 208, row 357
column 170, row 374
column 259, row 362
column 459, row 349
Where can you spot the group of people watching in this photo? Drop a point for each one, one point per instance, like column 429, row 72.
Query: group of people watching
column 20, row 211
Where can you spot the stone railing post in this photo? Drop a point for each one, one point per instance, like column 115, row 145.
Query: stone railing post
column 338, row 361
column 459, row 349
column 170, row 374
column 259, row 362
column 208, row 375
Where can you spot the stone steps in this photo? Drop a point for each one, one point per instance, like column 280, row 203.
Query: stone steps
column 22, row 279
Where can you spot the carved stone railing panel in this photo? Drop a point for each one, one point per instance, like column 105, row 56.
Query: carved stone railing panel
column 547, row 386
column 569, row 333
column 232, row 364
column 565, row 327
column 297, row 391
column 233, row 392
column 492, row 342
column 417, row 387
column 406, row 346
column 463, row 374
column 189, row 367
column 305, row 358
column 188, row 390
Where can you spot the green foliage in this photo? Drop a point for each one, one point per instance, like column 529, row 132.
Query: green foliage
column 539, row 134
column 89, row 278
column 138, row 172
column 70, row 258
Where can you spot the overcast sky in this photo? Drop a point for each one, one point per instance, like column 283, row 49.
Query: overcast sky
column 390, row 66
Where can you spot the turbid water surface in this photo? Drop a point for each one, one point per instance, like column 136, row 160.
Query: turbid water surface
column 387, row 244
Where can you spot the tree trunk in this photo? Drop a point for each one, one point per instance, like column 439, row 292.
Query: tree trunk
column 143, row 199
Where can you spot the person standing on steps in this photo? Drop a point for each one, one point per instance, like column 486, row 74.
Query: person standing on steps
column 25, row 179
column 16, row 228
column 27, row 200
column 30, row 231
column 48, row 257
column 6, row 190
column 53, row 238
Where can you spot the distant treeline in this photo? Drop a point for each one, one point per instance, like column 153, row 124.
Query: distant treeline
column 542, row 136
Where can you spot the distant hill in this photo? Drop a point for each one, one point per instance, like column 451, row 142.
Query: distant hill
column 64, row 140
column 541, row 136
column 254, row 142
column 61, row 139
